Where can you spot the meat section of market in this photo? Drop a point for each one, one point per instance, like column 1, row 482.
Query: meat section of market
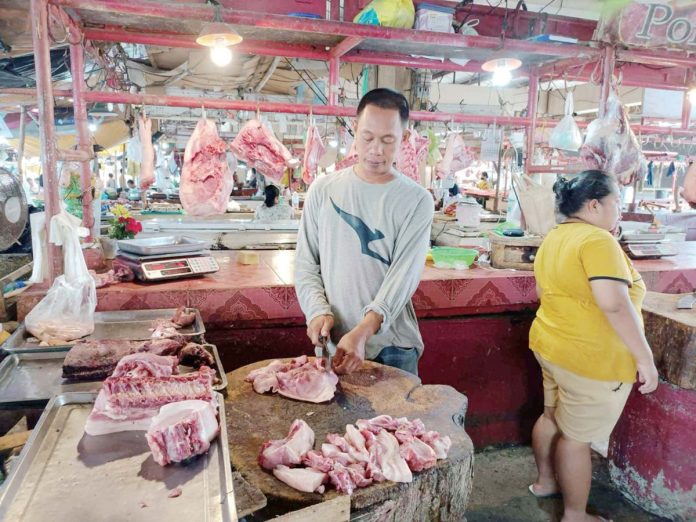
column 156, row 159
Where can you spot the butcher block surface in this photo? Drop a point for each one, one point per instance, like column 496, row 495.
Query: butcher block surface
column 672, row 337
column 440, row 493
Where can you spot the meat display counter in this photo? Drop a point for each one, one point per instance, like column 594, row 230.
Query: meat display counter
column 229, row 234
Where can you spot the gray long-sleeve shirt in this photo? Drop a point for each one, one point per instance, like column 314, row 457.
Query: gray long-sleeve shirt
column 361, row 247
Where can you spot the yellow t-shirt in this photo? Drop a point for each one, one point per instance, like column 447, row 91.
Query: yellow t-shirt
column 570, row 330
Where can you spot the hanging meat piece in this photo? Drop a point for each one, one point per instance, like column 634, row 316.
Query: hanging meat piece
column 314, row 150
column 256, row 146
column 412, row 152
column 350, row 159
column 457, row 157
column 147, row 162
column 610, row 145
column 206, row 180
column 688, row 191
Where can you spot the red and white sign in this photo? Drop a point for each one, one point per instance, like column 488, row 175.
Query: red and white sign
column 651, row 24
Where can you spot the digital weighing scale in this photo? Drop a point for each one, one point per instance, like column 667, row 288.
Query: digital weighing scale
column 168, row 266
column 166, row 258
column 642, row 245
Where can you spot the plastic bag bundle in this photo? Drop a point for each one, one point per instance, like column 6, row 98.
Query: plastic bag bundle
column 566, row 135
column 388, row 13
column 66, row 312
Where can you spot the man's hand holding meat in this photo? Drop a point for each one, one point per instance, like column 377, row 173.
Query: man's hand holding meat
column 350, row 352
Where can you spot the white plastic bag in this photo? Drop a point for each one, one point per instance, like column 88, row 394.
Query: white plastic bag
column 67, row 311
column 566, row 135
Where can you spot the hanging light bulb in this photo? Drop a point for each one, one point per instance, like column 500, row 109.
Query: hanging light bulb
column 110, row 107
column 342, row 150
column 92, row 126
column 501, row 77
column 502, row 69
column 333, row 143
column 219, row 36
column 220, row 54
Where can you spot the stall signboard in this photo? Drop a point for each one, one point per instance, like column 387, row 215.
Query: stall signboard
column 650, row 24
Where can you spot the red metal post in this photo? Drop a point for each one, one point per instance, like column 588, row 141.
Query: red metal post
column 334, row 68
column 47, row 129
column 686, row 111
column 84, row 143
column 608, row 64
column 532, row 102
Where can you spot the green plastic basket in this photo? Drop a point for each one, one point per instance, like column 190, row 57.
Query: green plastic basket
column 453, row 257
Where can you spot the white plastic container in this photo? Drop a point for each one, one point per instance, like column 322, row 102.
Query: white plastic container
column 468, row 213
column 434, row 18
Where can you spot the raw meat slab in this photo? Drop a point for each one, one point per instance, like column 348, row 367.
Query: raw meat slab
column 438, row 493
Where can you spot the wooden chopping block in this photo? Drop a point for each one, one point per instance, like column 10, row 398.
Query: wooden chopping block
column 440, row 493
column 513, row 252
column 671, row 334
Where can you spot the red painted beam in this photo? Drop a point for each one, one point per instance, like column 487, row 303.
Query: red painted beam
column 659, row 58
column 260, row 47
column 345, row 46
column 149, row 8
column 400, row 60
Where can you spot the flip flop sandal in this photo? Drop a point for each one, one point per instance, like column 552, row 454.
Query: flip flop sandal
column 550, row 495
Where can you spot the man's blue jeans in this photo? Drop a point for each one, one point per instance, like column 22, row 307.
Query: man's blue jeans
column 403, row 358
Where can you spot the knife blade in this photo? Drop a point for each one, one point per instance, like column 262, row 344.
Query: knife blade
column 323, row 351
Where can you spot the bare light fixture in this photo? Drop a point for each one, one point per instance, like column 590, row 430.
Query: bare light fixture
column 219, row 36
column 502, row 69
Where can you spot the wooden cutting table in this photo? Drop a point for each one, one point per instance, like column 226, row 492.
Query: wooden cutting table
column 441, row 493
column 653, row 448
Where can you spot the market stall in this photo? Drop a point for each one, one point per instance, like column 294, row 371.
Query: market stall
column 185, row 233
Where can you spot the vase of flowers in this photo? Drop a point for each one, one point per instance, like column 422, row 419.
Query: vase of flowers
column 122, row 226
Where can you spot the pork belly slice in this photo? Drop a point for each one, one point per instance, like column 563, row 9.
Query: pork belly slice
column 103, row 419
column 332, row 452
column 182, row 430
column 379, row 423
column 152, row 392
column 140, row 365
column 290, row 450
column 315, row 460
column 302, row 479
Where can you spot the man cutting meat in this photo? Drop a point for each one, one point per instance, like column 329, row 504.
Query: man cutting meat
column 362, row 244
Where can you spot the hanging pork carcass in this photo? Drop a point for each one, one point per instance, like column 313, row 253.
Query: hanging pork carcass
column 412, row 153
column 314, row 150
column 257, row 146
column 206, row 179
column 147, row 162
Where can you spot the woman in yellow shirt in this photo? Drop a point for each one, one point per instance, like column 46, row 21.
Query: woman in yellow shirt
column 587, row 336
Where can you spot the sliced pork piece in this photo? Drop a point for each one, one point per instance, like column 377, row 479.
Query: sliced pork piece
column 314, row 150
column 342, row 479
column 139, row 365
column 417, row 454
column 168, row 346
column 440, row 444
column 290, row 450
column 457, row 156
column 332, row 452
column 195, row 355
column 104, row 419
column 356, row 444
column 147, row 162
column 409, row 429
column 379, row 423
column 360, row 475
column 182, row 430
column 182, row 318
column 164, row 329
column 256, row 146
column 385, row 453
column 314, row 459
column 302, row 479
column 206, row 179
